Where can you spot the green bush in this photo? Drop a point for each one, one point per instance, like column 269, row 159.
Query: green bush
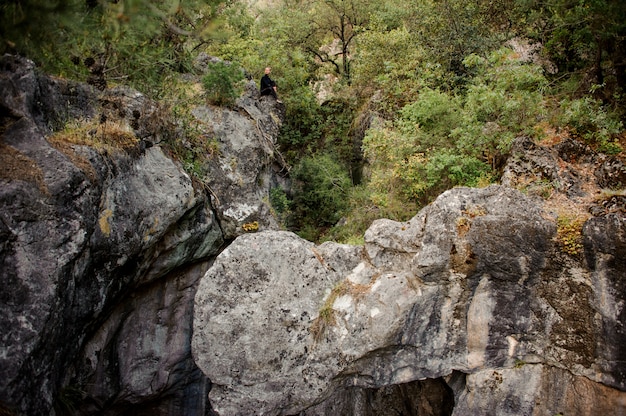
column 302, row 122
column 431, row 119
column 588, row 119
column 222, row 83
column 446, row 139
column 321, row 186
column 503, row 101
column 365, row 206
column 281, row 205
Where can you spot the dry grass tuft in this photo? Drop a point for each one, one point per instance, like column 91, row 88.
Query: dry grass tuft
column 326, row 317
column 108, row 136
column 14, row 165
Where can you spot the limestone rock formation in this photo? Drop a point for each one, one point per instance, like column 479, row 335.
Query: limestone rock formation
column 101, row 247
column 129, row 288
column 247, row 162
column 473, row 296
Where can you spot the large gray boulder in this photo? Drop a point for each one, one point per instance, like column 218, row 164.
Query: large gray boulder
column 472, row 294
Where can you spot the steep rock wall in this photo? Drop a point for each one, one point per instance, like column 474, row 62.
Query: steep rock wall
column 469, row 308
column 102, row 248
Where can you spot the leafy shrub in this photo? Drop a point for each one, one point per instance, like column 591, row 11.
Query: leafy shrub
column 432, row 118
column 503, row 101
column 281, row 204
column 365, row 206
column 222, row 83
column 587, row 118
column 387, row 61
column 446, row 139
column 301, row 129
column 279, row 200
column 321, row 185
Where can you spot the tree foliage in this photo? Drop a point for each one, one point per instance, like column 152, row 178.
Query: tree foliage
column 585, row 39
column 222, row 83
column 137, row 42
column 428, row 94
column 321, row 186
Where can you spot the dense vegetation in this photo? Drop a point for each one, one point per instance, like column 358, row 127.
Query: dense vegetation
column 388, row 103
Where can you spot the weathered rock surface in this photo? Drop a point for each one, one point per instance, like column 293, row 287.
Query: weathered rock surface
column 101, row 250
column 247, row 162
column 471, row 294
column 566, row 167
column 471, row 307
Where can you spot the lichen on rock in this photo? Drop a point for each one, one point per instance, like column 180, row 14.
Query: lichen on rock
column 494, row 303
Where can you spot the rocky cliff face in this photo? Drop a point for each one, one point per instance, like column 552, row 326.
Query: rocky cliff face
column 472, row 295
column 483, row 303
column 130, row 289
column 102, row 247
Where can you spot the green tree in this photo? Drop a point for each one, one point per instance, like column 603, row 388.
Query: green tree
column 138, row 42
column 450, row 30
column 392, row 62
column 585, row 39
column 327, row 29
column 321, row 186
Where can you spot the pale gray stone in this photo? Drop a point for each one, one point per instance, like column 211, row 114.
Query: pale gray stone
column 472, row 290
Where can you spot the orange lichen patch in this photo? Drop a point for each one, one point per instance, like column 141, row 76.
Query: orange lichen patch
column 14, row 165
column 104, row 222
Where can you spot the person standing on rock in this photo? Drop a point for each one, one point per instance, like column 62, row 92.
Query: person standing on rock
column 268, row 86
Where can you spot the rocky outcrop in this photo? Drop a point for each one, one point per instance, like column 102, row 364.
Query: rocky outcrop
column 102, row 245
column 124, row 292
column 473, row 296
column 248, row 163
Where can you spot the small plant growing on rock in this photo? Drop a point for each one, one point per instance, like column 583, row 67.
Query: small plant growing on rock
column 222, row 83
column 251, row 227
column 519, row 363
column 326, row 317
column 569, row 233
column 538, row 186
column 463, row 224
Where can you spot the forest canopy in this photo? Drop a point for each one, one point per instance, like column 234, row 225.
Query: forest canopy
column 388, row 103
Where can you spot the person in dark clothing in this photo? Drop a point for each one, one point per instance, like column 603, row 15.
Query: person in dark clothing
column 268, row 86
